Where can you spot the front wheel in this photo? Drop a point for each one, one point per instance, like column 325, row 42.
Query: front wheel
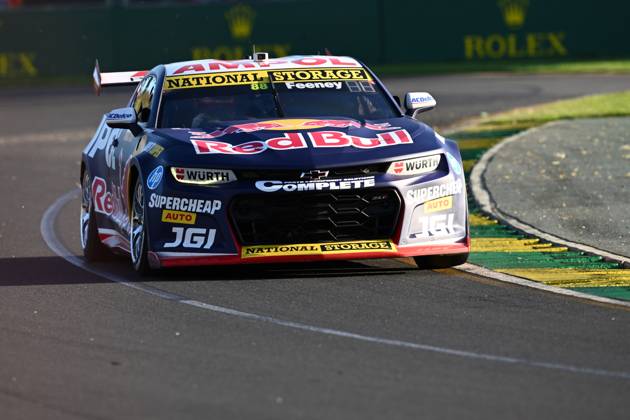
column 93, row 248
column 138, row 238
column 440, row 261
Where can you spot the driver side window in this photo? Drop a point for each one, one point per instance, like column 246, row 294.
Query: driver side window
column 144, row 98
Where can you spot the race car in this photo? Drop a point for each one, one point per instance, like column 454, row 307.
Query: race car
column 291, row 159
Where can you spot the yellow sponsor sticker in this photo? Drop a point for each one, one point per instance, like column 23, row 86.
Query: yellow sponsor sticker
column 438, row 204
column 301, row 75
column 317, row 249
column 156, row 150
column 254, row 77
column 258, row 79
column 182, row 217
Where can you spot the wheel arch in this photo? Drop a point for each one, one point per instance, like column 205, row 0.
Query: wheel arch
column 134, row 174
column 84, row 167
column 82, row 171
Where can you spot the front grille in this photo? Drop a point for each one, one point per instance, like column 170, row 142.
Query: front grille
column 315, row 217
column 293, row 174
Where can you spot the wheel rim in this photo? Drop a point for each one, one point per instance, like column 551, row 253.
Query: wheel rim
column 86, row 206
column 137, row 224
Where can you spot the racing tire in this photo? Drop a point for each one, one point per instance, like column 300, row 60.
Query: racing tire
column 138, row 238
column 93, row 248
column 440, row 261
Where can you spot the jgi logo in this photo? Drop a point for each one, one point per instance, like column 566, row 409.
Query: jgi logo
column 192, row 238
column 434, row 226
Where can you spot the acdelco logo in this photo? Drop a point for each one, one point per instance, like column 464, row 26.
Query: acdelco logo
column 117, row 116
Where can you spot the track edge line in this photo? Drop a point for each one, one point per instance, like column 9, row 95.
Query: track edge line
column 520, row 281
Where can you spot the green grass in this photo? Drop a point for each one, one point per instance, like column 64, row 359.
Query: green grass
column 619, row 66
column 519, row 119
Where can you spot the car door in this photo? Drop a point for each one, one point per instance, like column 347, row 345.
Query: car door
column 122, row 149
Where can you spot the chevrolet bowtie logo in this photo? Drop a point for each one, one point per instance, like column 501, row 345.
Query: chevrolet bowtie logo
column 314, row 174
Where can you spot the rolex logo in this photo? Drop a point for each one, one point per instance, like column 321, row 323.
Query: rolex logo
column 241, row 21
column 514, row 12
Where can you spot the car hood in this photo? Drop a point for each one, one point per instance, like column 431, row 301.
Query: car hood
column 298, row 143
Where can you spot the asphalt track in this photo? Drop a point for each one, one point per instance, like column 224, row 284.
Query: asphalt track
column 364, row 340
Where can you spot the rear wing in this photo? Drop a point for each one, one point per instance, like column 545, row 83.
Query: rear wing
column 121, row 78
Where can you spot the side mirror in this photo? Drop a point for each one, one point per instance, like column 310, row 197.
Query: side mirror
column 124, row 118
column 417, row 102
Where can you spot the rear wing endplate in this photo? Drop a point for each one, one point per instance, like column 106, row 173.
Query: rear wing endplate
column 121, row 78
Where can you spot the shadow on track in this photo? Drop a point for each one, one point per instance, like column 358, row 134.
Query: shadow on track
column 57, row 271
column 36, row 271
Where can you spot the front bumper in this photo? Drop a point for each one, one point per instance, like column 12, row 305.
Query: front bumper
column 171, row 260
column 196, row 225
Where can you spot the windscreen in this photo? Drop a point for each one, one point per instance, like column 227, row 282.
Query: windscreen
column 211, row 100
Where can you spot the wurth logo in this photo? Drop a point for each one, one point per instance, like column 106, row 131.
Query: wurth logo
column 415, row 166
column 203, row 176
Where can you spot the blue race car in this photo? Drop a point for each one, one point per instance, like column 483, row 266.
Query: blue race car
column 300, row 158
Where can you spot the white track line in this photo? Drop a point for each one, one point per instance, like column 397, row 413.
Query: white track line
column 487, row 204
column 47, row 227
column 506, row 278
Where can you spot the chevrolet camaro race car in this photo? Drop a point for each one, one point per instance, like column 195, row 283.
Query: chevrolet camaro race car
column 299, row 158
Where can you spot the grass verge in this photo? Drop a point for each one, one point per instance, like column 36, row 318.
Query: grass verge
column 503, row 249
column 594, row 106
column 619, row 66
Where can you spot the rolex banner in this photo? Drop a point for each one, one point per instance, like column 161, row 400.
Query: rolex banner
column 491, row 30
column 65, row 42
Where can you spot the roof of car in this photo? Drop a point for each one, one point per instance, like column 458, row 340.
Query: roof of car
column 280, row 63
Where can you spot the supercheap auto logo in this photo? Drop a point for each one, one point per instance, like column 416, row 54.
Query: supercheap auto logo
column 317, row 249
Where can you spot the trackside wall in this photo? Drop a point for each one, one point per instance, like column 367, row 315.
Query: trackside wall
column 65, row 42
